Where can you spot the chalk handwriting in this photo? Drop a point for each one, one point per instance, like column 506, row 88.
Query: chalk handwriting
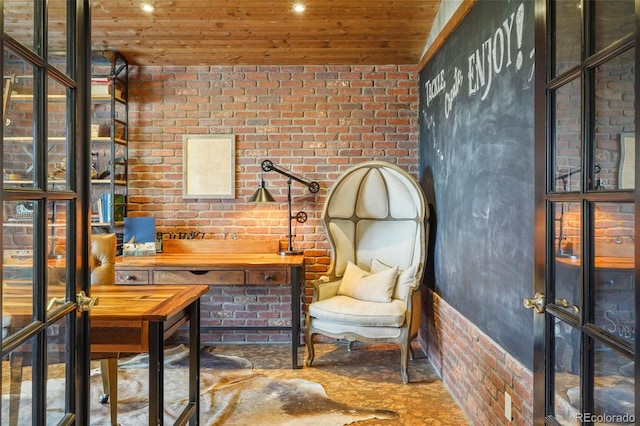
column 489, row 59
column 624, row 329
column 502, row 50
column 450, row 96
column 435, row 86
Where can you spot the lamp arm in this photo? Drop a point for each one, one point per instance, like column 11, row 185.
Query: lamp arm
column 267, row 166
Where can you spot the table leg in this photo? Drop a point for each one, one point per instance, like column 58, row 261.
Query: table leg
column 296, row 277
column 194, row 360
column 109, row 371
column 156, row 373
column 16, row 361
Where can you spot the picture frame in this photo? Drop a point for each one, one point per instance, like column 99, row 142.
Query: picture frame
column 627, row 170
column 209, row 165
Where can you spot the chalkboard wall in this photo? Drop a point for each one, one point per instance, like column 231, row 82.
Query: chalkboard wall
column 476, row 160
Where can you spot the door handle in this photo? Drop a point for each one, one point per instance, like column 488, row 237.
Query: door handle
column 85, row 303
column 55, row 301
column 565, row 304
column 537, row 303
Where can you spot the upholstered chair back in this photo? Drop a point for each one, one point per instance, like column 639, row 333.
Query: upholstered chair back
column 376, row 211
column 103, row 259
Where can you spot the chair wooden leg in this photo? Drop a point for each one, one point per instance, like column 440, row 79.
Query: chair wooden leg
column 15, row 388
column 109, row 370
column 310, row 350
column 404, row 362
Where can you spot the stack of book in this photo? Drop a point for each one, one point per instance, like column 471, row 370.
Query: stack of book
column 109, row 208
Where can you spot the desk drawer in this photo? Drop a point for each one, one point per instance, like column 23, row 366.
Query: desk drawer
column 132, row 277
column 273, row 277
column 199, row 277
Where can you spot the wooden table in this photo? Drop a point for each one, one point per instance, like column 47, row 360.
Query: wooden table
column 221, row 262
column 137, row 319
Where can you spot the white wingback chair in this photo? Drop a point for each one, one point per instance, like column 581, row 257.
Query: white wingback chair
column 375, row 217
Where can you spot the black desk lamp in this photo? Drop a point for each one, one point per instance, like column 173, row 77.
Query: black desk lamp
column 262, row 195
column 565, row 179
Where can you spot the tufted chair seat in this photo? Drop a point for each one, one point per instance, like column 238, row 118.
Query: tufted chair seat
column 375, row 221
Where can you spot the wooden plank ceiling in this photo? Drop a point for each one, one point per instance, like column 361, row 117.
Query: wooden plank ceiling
column 264, row 32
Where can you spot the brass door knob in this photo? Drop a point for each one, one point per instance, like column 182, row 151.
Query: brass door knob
column 537, row 303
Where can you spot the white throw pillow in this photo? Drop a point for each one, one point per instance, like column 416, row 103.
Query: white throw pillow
column 403, row 283
column 363, row 285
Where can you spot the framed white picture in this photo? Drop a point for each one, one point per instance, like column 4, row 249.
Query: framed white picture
column 209, row 166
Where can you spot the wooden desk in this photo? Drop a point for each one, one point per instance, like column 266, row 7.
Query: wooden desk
column 213, row 266
column 137, row 319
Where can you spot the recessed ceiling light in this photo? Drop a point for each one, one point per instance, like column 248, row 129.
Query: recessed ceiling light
column 299, row 7
column 147, row 6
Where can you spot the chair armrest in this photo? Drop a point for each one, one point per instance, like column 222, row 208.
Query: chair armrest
column 324, row 289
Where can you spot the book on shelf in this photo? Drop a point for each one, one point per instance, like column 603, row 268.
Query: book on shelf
column 118, row 207
column 97, row 214
column 104, row 87
column 112, row 207
column 100, row 86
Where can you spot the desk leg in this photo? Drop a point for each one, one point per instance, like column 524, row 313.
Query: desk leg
column 296, row 277
column 156, row 373
column 194, row 360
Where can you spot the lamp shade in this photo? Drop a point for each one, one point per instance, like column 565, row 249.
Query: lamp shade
column 262, row 195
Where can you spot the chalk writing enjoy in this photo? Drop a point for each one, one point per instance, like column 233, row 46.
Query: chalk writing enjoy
column 624, row 329
column 500, row 51
column 489, row 58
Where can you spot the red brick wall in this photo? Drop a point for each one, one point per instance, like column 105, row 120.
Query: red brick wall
column 314, row 120
column 475, row 369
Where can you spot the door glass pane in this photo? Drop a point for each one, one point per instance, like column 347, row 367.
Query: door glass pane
column 566, row 376
column 17, row 384
column 567, row 35
column 56, row 371
column 18, row 266
column 613, row 19
column 18, row 106
column 613, row 388
column 57, row 14
column 614, row 268
column 57, row 225
column 57, row 137
column 18, row 21
column 568, row 228
column 567, row 144
column 614, row 125
column 57, row 242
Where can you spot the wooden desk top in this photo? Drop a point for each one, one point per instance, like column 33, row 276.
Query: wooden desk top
column 210, row 260
column 146, row 303
column 138, row 303
column 602, row 262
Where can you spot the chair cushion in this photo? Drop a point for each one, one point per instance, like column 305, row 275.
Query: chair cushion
column 405, row 279
column 363, row 285
column 103, row 259
column 347, row 310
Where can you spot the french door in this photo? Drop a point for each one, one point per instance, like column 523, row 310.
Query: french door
column 587, row 208
column 44, row 227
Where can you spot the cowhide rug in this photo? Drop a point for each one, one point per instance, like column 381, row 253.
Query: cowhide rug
column 231, row 393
